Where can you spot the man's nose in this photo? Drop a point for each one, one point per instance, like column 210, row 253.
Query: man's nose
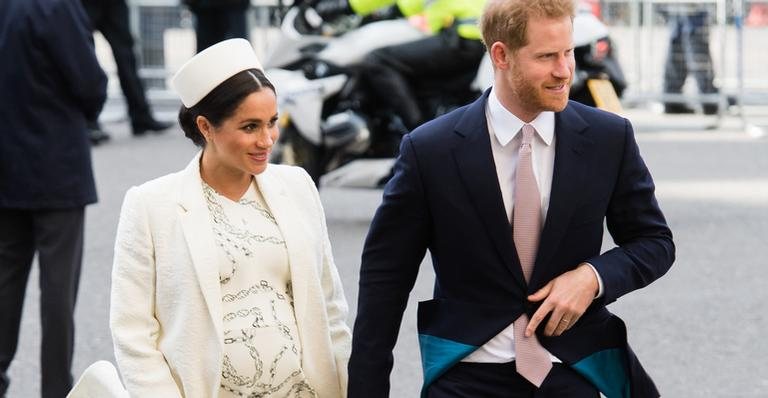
column 564, row 67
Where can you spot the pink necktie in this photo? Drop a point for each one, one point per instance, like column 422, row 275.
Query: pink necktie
column 532, row 360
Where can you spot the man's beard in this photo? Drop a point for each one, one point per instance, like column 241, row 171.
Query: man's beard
column 535, row 97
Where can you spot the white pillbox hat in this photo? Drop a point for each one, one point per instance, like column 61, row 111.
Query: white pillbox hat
column 212, row 66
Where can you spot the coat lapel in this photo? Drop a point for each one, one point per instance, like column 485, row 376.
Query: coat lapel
column 294, row 230
column 568, row 177
column 195, row 222
column 478, row 173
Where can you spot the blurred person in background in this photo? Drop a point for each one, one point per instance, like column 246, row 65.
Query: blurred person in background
column 452, row 47
column 217, row 20
column 688, row 53
column 51, row 87
column 111, row 18
column 223, row 281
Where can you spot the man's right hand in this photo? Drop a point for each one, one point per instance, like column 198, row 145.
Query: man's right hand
column 566, row 297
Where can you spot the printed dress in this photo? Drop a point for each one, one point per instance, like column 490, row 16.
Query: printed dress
column 262, row 350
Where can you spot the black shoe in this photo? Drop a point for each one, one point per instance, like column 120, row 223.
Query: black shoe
column 677, row 109
column 141, row 128
column 97, row 136
column 710, row 109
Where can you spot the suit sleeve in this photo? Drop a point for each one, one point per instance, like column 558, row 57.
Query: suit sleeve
column 645, row 250
column 335, row 302
column 394, row 248
column 135, row 329
column 69, row 44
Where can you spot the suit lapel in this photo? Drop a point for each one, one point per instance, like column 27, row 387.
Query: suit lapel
column 475, row 164
column 195, row 222
column 294, row 231
column 568, row 177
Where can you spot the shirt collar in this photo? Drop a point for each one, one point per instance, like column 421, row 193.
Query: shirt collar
column 506, row 125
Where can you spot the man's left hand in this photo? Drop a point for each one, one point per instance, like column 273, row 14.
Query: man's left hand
column 566, row 297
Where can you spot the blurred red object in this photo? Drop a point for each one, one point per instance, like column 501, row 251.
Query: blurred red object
column 592, row 6
column 758, row 15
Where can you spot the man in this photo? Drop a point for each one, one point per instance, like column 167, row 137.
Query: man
column 49, row 92
column 452, row 49
column 217, row 20
column 688, row 52
column 110, row 17
column 509, row 195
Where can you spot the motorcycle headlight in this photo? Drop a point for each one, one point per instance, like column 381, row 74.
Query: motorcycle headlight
column 316, row 70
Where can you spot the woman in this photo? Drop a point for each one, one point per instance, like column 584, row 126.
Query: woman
column 223, row 282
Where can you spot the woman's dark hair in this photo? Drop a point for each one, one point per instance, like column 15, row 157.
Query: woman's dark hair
column 221, row 102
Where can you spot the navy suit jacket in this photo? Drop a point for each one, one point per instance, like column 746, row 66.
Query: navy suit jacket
column 445, row 197
column 50, row 84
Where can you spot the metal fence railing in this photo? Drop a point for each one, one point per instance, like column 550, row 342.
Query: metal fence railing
column 643, row 32
column 735, row 32
column 753, row 83
column 164, row 34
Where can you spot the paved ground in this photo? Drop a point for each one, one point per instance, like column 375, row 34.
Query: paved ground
column 697, row 330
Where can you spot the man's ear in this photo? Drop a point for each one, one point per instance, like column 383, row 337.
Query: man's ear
column 499, row 54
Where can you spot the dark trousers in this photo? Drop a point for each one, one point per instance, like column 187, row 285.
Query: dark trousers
column 57, row 238
column 495, row 380
column 214, row 24
column 390, row 71
column 689, row 53
column 110, row 17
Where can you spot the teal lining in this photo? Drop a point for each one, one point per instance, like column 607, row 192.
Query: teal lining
column 438, row 355
column 607, row 370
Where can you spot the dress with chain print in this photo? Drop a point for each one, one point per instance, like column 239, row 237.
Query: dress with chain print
column 262, row 351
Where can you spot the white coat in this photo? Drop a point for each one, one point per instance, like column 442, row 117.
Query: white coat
column 166, row 313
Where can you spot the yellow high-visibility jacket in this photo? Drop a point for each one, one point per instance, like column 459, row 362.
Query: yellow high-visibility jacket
column 440, row 14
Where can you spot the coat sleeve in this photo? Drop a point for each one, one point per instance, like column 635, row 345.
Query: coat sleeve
column 394, row 248
column 645, row 250
column 135, row 330
column 69, row 44
column 335, row 302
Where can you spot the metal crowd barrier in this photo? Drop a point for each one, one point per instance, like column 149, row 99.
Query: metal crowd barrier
column 164, row 38
column 738, row 33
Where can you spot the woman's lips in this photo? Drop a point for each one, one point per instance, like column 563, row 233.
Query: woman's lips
column 259, row 157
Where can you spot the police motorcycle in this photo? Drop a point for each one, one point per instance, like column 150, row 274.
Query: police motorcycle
column 596, row 61
column 331, row 124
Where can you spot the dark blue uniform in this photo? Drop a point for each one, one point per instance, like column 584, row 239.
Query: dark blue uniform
column 50, row 86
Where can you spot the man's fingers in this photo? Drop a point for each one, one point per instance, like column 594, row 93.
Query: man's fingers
column 541, row 294
column 566, row 298
column 537, row 317
column 563, row 325
column 543, row 310
column 555, row 323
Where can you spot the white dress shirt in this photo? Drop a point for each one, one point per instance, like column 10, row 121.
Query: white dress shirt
column 504, row 128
